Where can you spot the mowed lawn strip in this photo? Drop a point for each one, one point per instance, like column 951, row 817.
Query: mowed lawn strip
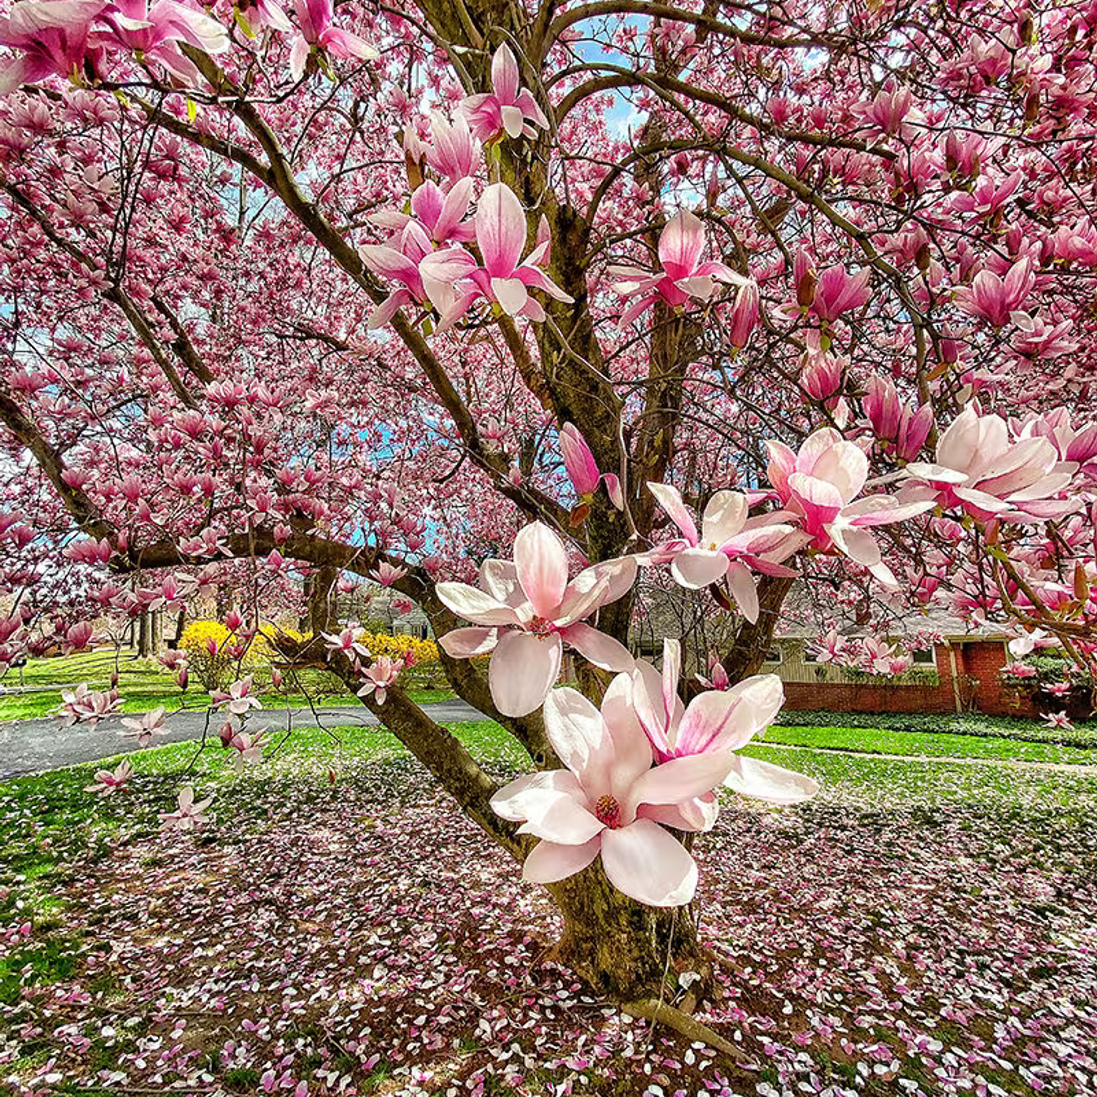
column 928, row 744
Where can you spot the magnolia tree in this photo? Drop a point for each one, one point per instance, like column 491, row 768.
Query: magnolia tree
column 499, row 305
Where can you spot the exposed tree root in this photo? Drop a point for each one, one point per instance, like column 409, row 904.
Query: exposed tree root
column 662, row 1013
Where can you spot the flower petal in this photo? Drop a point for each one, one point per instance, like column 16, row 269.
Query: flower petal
column 743, row 590
column 464, row 643
column 598, row 648
column 648, row 864
column 670, row 499
column 541, row 563
column 752, row 777
column 723, row 518
column 500, row 230
column 681, row 778
column 550, row 861
column 581, row 738
column 512, row 800
column 475, row 605
column 696, row 568
column 523, row 670
column 681, row 244
column 559, row 817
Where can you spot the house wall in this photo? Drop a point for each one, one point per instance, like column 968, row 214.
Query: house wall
column 967, row 673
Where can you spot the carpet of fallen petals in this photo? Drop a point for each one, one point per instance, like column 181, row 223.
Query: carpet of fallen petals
column 917, row 930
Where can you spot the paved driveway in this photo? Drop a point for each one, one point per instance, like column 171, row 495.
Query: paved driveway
column 30, row 746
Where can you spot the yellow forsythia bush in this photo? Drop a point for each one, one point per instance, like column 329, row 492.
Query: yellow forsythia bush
column 426, row 673
column 217, row 671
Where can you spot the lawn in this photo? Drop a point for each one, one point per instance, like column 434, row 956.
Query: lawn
column 143, row 684
column 922, row 927
column 928, row 744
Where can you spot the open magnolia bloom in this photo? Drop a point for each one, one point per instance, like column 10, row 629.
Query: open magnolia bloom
column 610, row 801
column 980, row 471
column 729, row 544
column 712, row 723
column 508, row 106
column 527, row 610
column 454, row 281
column 819, row 485
column 683, row 276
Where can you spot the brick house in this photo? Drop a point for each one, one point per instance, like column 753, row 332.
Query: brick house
column 958, row 674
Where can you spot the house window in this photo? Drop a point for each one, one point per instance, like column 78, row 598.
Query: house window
column 810, row 656
column 925, row 657
column 773, row 655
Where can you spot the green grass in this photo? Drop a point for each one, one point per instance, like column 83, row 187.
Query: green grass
column 143, row 684
column 928, row 744
column 891, row 784
column 49, row 823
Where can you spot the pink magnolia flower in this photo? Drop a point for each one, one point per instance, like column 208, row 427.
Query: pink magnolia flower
column 819, row 485
column 837, row 292
column 188, row 815
column 527, row 610
column 507, row 107
column 979, row 470
column 745, row 315
column 717, row 677
column 729, row 545
column 821, row 375
column 348, row 642
column 263, row 13
column 829, row 648
column 1019, row 670
column 145, row 727
column 607, row 801
column 107, row 783
column 683, row 277
column 82, row 705
column 155, row 29
column 398, row 261
column 892, row 113
column 319, row 35
column 1028, row 642
column 583, row 470
column 454, row 153
column 440, row 214
column 380, row 677
column 988, row 197
column 893, row 422
column 78, row 637
column 51, row 37
column 993, row 298
column 1058, row 720
column 714, row 723
column 386, row 574
column 238, row 700
column 248, row 747
column 503, row 279
column 1058, row 689
column 1036, row 338
column 1072, row 443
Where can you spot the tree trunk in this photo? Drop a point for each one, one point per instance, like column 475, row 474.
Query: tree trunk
column 621, row 947
column 321, row 600
column 752, row 641
column 143, row 643
column 180, row 625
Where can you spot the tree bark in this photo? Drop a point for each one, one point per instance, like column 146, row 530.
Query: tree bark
column 621, row 947
column 748, row 652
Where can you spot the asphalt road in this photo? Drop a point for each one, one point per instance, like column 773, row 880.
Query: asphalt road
column 31, row 746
